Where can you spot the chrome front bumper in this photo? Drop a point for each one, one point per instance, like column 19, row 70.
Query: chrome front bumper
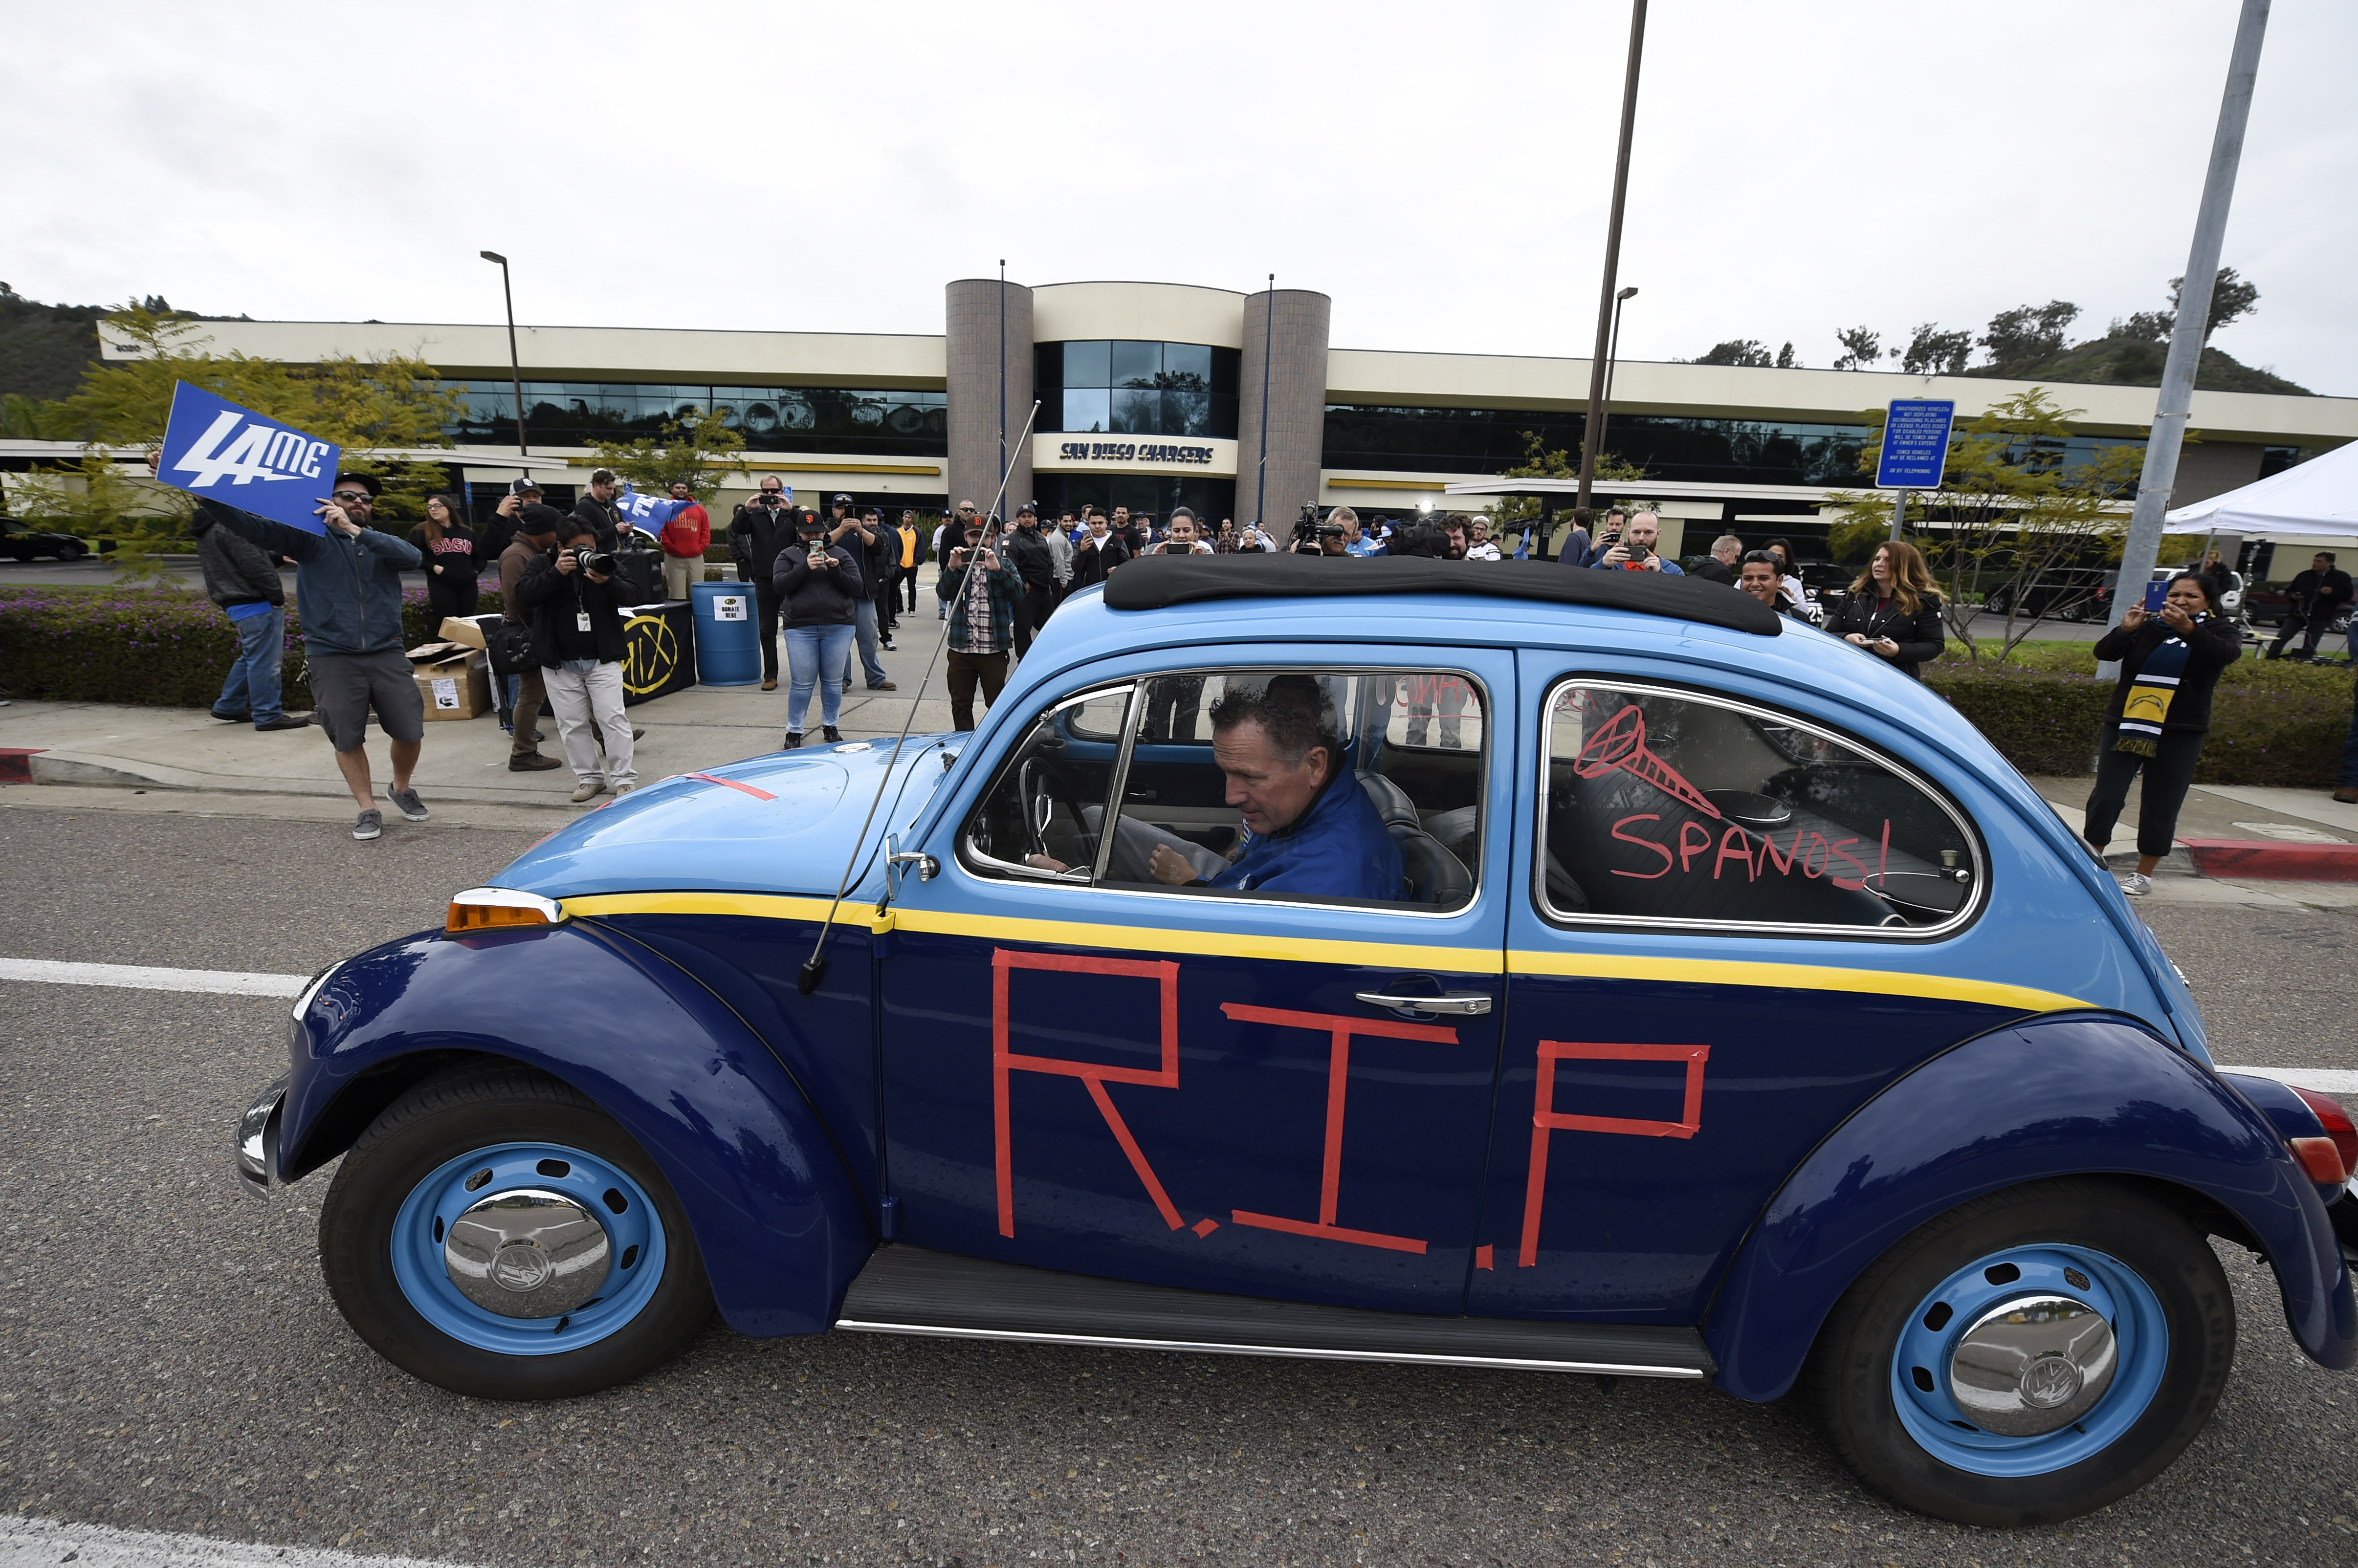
column 257, row 1139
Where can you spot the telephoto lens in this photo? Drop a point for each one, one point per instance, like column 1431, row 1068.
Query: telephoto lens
column 605, row 562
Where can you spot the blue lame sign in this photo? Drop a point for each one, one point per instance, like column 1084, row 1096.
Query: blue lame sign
column 213, row 448
column 1915, row 444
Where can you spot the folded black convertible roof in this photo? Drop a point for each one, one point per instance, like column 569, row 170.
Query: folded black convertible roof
column 1157, row 582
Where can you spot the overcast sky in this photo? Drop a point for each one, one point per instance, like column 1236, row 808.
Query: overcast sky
column 1443, row 172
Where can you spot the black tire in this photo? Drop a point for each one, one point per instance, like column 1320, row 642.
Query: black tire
column 1850, row 1374
column 1996, row 604
column 437, row 1121
column 73, row 552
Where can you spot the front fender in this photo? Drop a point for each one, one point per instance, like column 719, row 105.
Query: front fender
column 2059, row 1097
column 774, row 1212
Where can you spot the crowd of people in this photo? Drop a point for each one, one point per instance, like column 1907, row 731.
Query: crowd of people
column 837, row 585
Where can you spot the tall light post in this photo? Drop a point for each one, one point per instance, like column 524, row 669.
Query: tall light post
column 1611, row 359
column 515, row 365
column 1003, row 367
column 1592, row 431
column 1268, row 346
column 2174, row 405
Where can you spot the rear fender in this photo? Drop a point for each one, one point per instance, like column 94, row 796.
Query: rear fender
column 774, row 1212
column 2059, row 1097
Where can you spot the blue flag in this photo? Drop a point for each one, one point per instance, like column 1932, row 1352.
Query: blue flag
column 648, row 511
column 213, row 448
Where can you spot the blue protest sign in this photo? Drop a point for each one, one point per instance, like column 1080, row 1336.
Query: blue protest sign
column 647, row 512
column 213, row 448
column 1915, row 444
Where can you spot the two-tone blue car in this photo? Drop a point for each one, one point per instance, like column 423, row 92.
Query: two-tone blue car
column 1477, row 965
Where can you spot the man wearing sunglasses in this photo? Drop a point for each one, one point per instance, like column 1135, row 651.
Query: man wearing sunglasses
column 348, row 591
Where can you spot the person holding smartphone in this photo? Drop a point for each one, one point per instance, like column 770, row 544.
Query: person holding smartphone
column 820, row 590
column 984, row 595
column 2161, row 711
column 577, row 633
column 1891, row 611
column 1637, row 548
column 759, row 531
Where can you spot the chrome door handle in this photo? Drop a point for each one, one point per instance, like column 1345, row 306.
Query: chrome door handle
column 1456, row 1004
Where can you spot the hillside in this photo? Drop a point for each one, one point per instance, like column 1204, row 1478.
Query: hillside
column 45, row 349
column 2124, row 361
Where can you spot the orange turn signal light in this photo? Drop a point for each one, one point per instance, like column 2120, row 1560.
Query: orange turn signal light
column 2320, row 1159
column 499, row 909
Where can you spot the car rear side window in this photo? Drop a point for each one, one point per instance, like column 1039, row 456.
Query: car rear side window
column 1662, row 807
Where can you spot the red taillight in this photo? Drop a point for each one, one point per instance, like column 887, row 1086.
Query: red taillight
column 2338, row 1125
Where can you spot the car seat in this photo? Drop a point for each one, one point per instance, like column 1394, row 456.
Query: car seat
column 1434, row 875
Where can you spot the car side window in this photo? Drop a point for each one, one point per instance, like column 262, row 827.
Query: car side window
column 1666, row 806
column 1352, row 787
column 1039, row 821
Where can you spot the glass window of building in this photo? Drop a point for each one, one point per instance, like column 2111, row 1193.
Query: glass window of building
column 1132, row 387
column 771, row 420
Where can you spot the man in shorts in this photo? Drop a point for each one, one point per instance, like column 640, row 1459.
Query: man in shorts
column 348, row 596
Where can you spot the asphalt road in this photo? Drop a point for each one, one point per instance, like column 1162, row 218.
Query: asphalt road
column 169, row 1359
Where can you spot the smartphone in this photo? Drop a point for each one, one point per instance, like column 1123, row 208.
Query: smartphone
column 2154, row 592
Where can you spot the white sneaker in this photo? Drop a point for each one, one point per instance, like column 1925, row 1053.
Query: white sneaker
column 586, row 789
column 2136, row 884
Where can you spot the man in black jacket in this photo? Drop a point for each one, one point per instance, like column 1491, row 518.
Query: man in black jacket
column 1100, row 551
column 577, row 630
column 2314, row 598
column 596, row 508
column 243, row 578
column 757, row 531
column 1036, row 565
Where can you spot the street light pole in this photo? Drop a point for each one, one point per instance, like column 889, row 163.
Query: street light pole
column 1002, row 367
column 2173, row 406
column 1612, row 361
column 1268, row 346
column 515, row 365
column 1592, row 433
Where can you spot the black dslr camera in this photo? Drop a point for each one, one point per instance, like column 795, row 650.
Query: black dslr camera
column 605, row 562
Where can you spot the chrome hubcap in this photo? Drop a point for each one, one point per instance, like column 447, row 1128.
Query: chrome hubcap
column 2033, row 1367
column 527, row 1253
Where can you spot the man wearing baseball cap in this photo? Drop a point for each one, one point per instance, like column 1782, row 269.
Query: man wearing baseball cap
column 348, row 592
column 1036, row 565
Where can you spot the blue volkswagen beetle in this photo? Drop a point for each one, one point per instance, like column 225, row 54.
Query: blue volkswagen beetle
column 1405, row 960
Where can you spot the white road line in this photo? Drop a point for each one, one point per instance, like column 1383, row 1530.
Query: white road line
column 225, row 982
column 2324, row 1080
column 41, row 1543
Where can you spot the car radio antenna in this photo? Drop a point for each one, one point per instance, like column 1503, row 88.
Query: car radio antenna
column 814, row 968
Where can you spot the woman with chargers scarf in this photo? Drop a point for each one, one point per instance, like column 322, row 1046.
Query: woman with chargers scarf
column 2169, row 661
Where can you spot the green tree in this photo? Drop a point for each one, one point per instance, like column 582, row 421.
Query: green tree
column 695, row 454
column 1514, row 511
column 1861, row 346
column 2232, row 298
column 2007, row 511
column 1932, row 351
column 1737, row 352
column 382, row 412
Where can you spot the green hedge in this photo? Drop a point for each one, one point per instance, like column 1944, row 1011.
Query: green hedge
column 152, row 647
column 2273, row 723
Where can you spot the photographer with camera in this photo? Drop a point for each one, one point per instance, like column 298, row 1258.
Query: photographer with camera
column 984, row 596
column 1354, row 541
column 757, row 531
column 819, row 587
column 860, row 535
column 577, row 636
column 1634, row 550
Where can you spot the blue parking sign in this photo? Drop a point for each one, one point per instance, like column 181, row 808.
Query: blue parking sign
column 213, row 448
column 1915, row 444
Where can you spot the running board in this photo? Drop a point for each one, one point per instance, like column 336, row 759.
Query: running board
column 908, row 1290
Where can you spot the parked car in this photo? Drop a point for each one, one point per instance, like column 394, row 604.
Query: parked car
column 1557, row 971
column 2063, row 593
column 22, row 542
column 2267, row 605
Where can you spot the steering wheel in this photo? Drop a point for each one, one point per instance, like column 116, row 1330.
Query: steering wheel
column 1042, row 786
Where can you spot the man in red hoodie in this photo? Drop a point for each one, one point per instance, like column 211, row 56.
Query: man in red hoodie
column 685, row 539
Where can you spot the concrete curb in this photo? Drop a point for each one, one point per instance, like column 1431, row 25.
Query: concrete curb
column 2264, row 860
column 117, row 772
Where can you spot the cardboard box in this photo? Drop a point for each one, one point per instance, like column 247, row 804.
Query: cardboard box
column 469, row 632
column 453, row 680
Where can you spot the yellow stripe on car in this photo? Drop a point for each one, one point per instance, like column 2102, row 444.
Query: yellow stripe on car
column 1325, row 950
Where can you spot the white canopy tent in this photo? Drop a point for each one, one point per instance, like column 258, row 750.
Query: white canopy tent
column 2315, row 500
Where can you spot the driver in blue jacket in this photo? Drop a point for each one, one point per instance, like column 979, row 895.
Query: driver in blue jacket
column 1309, row 828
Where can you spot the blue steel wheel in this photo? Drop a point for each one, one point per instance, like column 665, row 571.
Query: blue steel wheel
column 496, row 1234
column 2028, row 1357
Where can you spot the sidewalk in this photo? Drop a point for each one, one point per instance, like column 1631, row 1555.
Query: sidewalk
column 184, row 748
column 2244, row 831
